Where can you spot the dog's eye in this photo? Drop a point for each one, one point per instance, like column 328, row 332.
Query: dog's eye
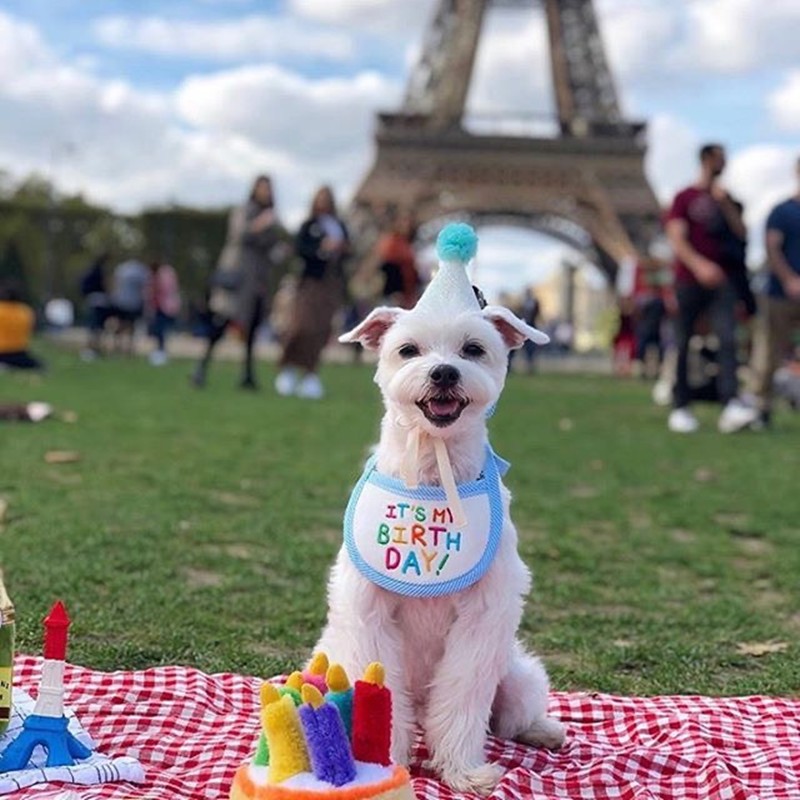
column 408, row 350
column 473, row 350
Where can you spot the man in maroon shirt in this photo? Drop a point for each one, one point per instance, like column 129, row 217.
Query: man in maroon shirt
column 702, row 225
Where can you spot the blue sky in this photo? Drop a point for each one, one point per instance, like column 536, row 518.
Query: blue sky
column 138, row 103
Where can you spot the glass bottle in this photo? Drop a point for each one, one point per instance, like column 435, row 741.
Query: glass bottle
column 6, row 654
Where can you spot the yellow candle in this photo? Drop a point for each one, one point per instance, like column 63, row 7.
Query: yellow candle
column 287, row 747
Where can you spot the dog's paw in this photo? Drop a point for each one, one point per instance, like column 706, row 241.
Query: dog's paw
column 480, row 780
column 545, row 732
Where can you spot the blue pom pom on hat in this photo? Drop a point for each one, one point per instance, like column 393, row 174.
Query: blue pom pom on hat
column 457, row 242
column 450, row 292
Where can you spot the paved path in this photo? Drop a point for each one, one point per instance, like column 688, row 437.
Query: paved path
column 182, row 345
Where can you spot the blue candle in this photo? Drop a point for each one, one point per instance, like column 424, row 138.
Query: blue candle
column 340, row 693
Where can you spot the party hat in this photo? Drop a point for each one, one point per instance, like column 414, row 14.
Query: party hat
column 450, row 292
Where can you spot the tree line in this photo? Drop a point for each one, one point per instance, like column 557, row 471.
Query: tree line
column 48, row 239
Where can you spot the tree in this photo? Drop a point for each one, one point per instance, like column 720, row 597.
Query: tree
column 12, row 270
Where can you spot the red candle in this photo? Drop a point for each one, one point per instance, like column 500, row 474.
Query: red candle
column 56, row 624
column 372, row 718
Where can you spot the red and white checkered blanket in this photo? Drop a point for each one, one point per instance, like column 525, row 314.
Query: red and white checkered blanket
column 191, row 731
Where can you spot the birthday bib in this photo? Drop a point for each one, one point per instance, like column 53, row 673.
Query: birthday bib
column 405, row 540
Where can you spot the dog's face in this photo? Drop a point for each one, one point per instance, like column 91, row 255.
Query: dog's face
column 440, row 374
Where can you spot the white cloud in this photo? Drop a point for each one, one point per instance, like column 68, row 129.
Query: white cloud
column 388, row 17
column 241, row 39
column 639, row 35
column 761, row 176
column 783, row 103
column 22, row 48
column 200, row 144
column 62, row 114
column 278, row 108
column 320, row 129
column 731, row 36
column 671, row 161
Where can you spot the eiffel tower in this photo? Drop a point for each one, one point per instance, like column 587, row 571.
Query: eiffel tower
column 585, row 186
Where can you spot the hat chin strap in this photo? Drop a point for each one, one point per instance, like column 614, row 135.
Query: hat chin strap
column 447, row 479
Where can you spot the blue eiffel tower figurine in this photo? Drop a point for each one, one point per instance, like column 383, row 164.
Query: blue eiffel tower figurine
column 47, row 726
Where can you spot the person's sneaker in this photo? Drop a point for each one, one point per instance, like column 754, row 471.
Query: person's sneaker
column 736, row 416
column 681, row 420
column 310, row 387
column 286, row 382
column 662, row 393
column 158, row 358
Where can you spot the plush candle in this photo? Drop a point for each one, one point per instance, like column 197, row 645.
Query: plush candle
column 315, row 674
column 287, row 747
column 261, row 757
column 331, row 757
column 295, row 681
column 372, row 718
column 340, row 693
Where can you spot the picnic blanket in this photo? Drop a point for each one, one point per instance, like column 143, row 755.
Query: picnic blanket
column 97, row 768
column 191, row 730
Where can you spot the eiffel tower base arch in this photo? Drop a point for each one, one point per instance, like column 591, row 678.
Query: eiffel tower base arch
column 589, row 192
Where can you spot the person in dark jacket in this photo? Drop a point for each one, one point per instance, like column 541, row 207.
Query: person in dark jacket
column 323, row 245
column 246, row 277
column 98, row 305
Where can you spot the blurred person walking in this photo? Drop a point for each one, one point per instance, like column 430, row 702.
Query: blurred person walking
column 163, row 302
column 323, row 245
column 779, row 319
column 97, row 305
column 246, row 277
column 697, row 226
column 529, row 310
column 127, row 300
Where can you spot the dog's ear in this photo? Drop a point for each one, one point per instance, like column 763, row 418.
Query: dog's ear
column 371, row 331
column 513, row 330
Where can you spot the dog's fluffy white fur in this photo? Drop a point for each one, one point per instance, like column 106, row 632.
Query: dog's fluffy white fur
column 453, row 663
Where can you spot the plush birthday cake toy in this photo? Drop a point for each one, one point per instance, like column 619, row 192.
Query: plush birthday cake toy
column 321, row 738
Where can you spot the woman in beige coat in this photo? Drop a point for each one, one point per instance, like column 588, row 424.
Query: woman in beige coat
column 246, row 277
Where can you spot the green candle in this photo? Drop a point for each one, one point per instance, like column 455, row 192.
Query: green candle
column 6, row 654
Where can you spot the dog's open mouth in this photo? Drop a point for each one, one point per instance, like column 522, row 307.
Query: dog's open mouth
column 442, row 409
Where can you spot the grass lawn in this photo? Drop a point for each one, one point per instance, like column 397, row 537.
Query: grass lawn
column 198, row 527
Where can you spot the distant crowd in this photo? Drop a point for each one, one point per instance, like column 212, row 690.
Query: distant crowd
column 691, row 324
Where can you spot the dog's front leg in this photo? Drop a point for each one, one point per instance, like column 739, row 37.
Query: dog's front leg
column 476, row 657
column 362, row 628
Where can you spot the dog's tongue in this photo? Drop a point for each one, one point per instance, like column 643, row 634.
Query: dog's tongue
column 444, row 408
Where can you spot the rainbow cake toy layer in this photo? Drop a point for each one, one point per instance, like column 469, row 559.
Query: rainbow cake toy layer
column 321, row 738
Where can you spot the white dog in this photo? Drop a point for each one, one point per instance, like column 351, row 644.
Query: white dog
column 452, row 660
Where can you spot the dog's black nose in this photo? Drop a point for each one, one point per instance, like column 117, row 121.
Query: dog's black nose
column 444, row 376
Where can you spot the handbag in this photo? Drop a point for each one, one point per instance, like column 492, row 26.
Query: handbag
column 226, row 279
column 227, row 275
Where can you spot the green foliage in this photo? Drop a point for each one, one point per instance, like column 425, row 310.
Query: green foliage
column 12, row 270
column 198, row 527
column 57, row 237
